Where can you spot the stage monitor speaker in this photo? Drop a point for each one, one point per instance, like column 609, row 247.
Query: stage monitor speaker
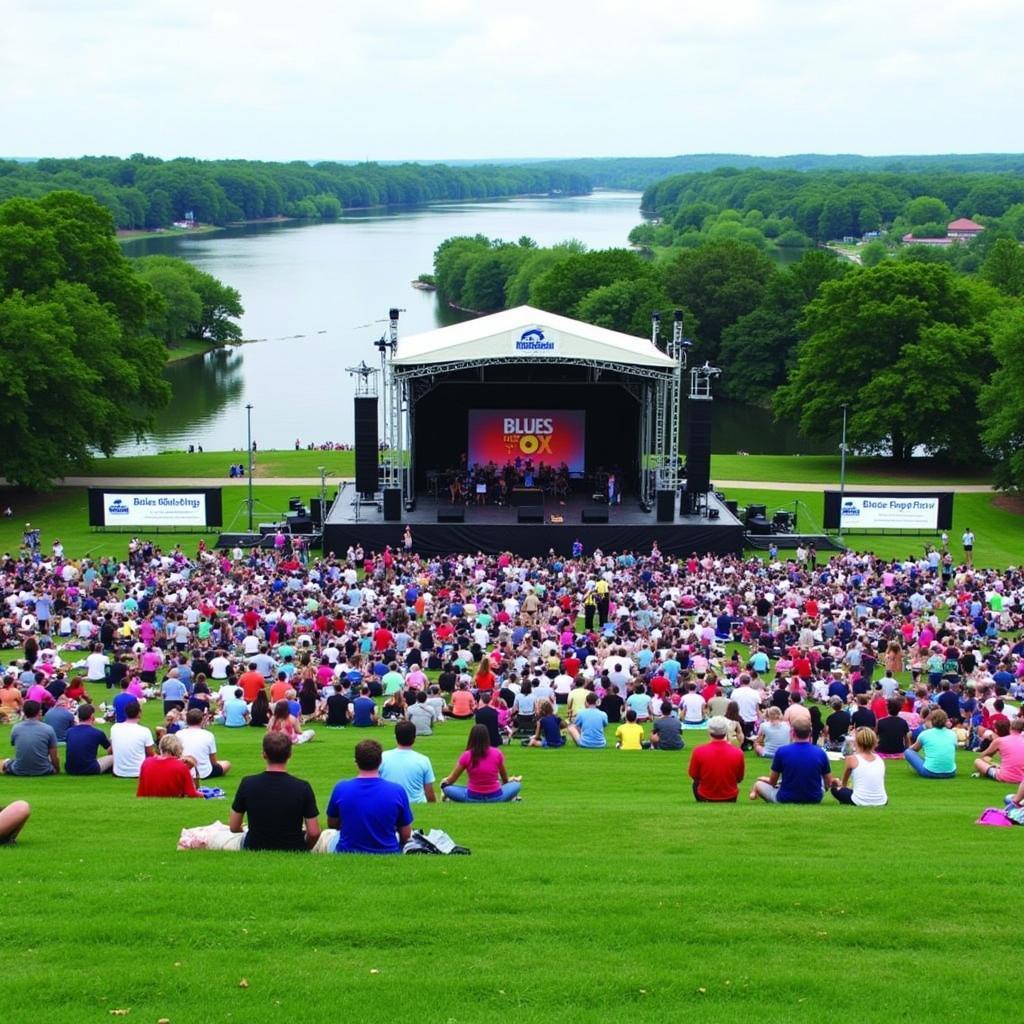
column 594, row 514
column 366, row 444
column 530, row 513
column 316, row 511
column 666, row 506
column 451, row 514
column 392, row 504
column 758, row 525
column 698, row 445
column 756, row 512
column 300, row 524
column 732, row 505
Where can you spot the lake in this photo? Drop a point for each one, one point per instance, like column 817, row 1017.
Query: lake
column 315, row 296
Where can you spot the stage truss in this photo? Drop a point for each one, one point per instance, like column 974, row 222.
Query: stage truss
column 659, row 393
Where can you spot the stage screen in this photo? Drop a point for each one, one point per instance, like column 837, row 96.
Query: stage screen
column 138, row 506
column 895, row 511
column 551, row 436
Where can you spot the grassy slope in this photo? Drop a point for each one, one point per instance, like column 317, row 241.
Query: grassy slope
column 606, row 894
column 797, row 468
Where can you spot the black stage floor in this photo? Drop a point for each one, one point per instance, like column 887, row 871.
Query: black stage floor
column 492, row 529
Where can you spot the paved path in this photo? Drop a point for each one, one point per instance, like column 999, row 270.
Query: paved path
column 332, row 482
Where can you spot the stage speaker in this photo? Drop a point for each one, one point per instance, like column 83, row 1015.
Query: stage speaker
column 316, row 511
column 698, row 446
column 392, row 504
column 366, row 444
column 451, row 514
column 756, row 512
column 530, row 513
column 666, row 506
column 594, row 514
column 732, row 505
column 758, row 525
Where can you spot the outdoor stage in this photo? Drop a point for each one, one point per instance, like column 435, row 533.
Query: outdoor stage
column 492, row 529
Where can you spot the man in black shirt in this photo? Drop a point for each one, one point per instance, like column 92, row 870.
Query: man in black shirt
column 892, row 730
column 837, row 725
column 488, row 716
column 277, row 804
column 863, row 717
column 338, row 713
column 612, row 704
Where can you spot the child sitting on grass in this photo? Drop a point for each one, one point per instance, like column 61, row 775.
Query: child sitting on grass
column 630, row 735
column 549, row 728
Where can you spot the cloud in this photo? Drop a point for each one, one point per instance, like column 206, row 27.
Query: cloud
column 460, row 78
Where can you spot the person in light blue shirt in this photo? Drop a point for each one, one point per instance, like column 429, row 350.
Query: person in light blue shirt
column 640, row 702
column 236, row 711
column 410, row 769
column 759, row 662
column 671, row 668
column 587, row 729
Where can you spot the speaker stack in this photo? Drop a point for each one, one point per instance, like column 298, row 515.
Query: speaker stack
column 698, row 452
column 366, row 444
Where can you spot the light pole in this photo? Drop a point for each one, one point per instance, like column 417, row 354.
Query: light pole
column 323, row 492
column 248, row 434
column 842, row 473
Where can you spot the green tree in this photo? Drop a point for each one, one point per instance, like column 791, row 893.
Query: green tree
column 932, row 229
column 904, row 345
column 718, row 282
column 77, row 370
column 927, row 209
column 1004, row 267
column 563, row 285
column 623, row 306
column 1003, row 401
column 873, row 253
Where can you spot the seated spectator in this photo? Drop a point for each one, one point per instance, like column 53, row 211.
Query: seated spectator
column 863, row 782
column 280, row 809
column 130, row 742
column 60, row 718
column 800, row 772
column 201, row 745
column 234, row 711
column 463, row 702
column 422, row 715
column 166, row 774
column 1008, row 746
column 630, row 735
column 939, row 746
column 83, row 743
column 488, row 779
column 339, row 708
column 893, row 731
column 371, row 814
column 717, row 767
column 587, row 729
column 667, row 730
column 774, row 733
column 364, row 709
column 12, row 821
column 284, row 721
column 548, row 732
column 35, row 745
column 837, row 726
column 409, row 768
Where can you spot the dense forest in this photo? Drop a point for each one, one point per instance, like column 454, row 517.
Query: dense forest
column 145, row 192
column 639, row 172
column 794, row 208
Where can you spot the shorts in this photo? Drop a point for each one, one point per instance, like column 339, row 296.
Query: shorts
column 216, row 771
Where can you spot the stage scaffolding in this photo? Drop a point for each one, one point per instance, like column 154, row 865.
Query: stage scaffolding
column 659, row 392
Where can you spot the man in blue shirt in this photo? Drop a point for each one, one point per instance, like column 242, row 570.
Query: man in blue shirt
column 800, row 772
column 587, row 729
column 408, row 768
column 82, row 744
column 371, row 814
column 122, row 700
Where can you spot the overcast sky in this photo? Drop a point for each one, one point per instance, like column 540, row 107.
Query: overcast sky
column 437, row 79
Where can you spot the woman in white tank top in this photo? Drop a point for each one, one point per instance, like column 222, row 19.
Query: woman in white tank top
column 863, row 783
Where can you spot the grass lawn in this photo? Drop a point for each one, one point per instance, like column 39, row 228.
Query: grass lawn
column 606, row 894
column 1000, row 534
column 63, row 513
column 186, row 349
column 773, row 468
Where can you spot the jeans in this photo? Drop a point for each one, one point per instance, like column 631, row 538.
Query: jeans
column 916, row 762
column 462, row 795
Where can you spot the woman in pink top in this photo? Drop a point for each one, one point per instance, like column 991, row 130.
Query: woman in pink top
column 489, row 781
column 1008, row 743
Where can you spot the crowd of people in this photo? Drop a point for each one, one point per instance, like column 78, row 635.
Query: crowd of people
column 826, row 670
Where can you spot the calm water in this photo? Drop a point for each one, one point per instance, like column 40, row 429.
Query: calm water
column 314, row 293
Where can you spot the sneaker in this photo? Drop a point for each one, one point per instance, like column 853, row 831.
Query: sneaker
column 975, row 775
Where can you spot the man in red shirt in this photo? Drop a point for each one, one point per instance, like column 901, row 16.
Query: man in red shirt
column 383, row 638
column 717, row 767
column 251, row 682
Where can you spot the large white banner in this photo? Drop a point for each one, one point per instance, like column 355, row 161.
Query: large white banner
column 154, row 509
column 882, row 512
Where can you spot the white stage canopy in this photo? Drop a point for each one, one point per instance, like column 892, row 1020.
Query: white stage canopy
column 525, row 334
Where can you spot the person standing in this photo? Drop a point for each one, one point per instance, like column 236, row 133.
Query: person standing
column 281, row 809
column 968, row 542
column 717, row 767
column 371, row 814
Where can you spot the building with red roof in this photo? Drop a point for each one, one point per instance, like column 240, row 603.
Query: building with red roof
column 963, row 229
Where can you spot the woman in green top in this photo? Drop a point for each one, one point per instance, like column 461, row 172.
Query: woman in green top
column 939, row 746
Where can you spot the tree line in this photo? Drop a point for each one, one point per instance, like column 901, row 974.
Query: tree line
column 83, row 333
column 784, row 206
column 922, row 353
column 146, row 192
